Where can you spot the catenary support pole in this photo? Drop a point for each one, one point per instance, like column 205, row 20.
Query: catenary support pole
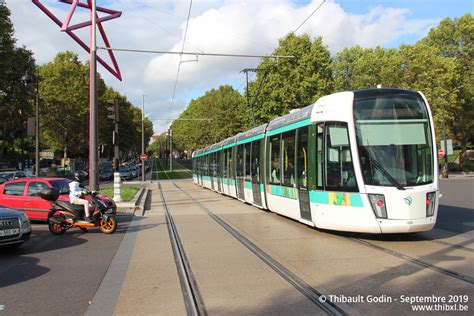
column 143, row 136
column 93, row 102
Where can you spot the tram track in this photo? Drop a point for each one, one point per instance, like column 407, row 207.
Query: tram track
column 417, row 261
column 192, row 297
column 304, row 288
column 444, row 243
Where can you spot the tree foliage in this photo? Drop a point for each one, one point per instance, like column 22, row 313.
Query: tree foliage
column 291, row 83
column 454, row 39
column 64, row 115
column 440, row 65
column 211, row 118
column 16, row 95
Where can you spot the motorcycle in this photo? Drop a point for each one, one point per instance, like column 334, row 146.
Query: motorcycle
column 64, row 215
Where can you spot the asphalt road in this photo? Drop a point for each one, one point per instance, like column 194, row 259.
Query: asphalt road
column 456, row 209
column 56, row 275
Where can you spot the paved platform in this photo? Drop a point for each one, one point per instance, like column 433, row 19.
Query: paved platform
column 143, row 280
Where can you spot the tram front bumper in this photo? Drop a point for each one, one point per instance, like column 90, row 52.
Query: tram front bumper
column 390, row 226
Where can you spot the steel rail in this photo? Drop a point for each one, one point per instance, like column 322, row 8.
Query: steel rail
column 192, row 297
column 303, row 287
column 420, row 262
column 444, row 243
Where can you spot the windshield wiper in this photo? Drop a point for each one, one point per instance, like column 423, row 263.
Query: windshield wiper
column 377, row 165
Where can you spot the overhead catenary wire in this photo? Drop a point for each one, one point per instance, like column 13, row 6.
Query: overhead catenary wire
column 319, row 6
column 195, row 53
column 180, row 59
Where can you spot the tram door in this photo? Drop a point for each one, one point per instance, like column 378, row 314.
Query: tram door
column 240, row 172
column 302, row 172
column 255, row 169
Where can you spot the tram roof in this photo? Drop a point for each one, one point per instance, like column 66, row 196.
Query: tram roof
column 296, row 116
column 256, row 131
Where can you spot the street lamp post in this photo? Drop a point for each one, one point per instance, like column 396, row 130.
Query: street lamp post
column 26, row 79
column 445, row 170
column 143, row 137
column 171, row 149
column 37, row 158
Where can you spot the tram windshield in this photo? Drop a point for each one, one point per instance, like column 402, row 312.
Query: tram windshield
column 394, row 140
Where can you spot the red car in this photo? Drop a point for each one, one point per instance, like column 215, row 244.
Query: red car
column 23, row 195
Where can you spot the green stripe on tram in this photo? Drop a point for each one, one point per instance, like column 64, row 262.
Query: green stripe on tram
column 289, row 127
column 250, row 139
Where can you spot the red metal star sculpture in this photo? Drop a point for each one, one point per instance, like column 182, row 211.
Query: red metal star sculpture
column 65, row 27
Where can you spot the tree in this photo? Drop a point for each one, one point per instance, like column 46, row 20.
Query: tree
column 211, row 118
column 15, row 96
column 64, row 114
column 130, row 122
column 362, row 68
column 454, row 38
column 291, row 83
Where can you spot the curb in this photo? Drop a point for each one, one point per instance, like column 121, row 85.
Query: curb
column 137, row 203
column 105, row 298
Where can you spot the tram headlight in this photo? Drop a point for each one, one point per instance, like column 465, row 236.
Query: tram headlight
column 377, row 201
column 430, row 203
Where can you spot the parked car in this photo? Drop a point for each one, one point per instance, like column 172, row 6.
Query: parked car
column 11, row 175
column 106, row 174
column 15, row 227
column 126, row 173
column 23, row 195
column 135, row 170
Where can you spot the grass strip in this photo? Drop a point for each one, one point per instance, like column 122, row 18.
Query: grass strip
column 127, row 193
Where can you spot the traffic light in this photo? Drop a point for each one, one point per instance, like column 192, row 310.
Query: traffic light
column 113, row 110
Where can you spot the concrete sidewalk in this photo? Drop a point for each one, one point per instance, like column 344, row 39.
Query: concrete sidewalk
column 142, row 274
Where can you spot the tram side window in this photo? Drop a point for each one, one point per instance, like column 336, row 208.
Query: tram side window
column 203, row 165
column 340, row 174
column 275, row 169
column 230, row 165
column 302, row 157
column 198, row 166
column 214, row 165
column 247, row 162
column 240, row 161
column 255, row 161
column 288, row 143
column 226, row 162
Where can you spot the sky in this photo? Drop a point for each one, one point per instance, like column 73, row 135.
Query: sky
column 219, row 26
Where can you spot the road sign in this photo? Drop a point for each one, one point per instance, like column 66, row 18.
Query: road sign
column 143, row 157
column 440, row 153
column 449, row 144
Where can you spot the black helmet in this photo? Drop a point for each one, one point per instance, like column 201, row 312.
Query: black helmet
column 78, row 176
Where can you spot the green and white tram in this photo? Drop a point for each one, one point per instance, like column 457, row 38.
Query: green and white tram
column 360, row 161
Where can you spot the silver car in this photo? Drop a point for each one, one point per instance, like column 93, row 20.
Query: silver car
column 15, row 227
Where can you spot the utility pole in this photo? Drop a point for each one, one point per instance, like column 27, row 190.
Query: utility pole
column 114, row 115
column 445, row 170
column 171, row 149
column 93, row 102
column 143, row 136
column 246, row 70
column 37, row 101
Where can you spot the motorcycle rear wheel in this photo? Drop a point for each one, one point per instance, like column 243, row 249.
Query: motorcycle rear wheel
column 56, row 229
column 108, row 226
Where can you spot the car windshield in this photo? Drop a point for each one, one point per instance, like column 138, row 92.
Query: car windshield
column 394, row 140
column 62, row 185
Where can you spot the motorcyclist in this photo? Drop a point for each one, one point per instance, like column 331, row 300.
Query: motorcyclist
column 75, row 194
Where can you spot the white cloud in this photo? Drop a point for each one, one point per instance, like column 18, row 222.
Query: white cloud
column 226, row 26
